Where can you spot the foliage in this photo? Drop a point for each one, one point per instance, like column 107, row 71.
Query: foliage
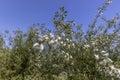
column 67, row 53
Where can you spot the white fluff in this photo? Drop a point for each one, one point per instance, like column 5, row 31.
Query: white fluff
column 51, row 35
column 96, row 56
column 86, row 46
column 105, row 61
column 103, row 51
column 41, row 47
column 51, row 42
column 59, row 38
column 35, row 45
column 38, row 46
column 106, row 54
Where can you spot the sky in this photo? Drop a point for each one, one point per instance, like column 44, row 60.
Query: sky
column 22, row 14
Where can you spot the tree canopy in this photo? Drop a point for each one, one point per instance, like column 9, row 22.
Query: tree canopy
column 67, row 53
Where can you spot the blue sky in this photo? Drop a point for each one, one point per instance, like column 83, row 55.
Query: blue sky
column 23, row 13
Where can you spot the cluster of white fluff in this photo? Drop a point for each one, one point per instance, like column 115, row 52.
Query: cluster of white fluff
column 110, row 69
column 104, row 60
column 55, row 40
